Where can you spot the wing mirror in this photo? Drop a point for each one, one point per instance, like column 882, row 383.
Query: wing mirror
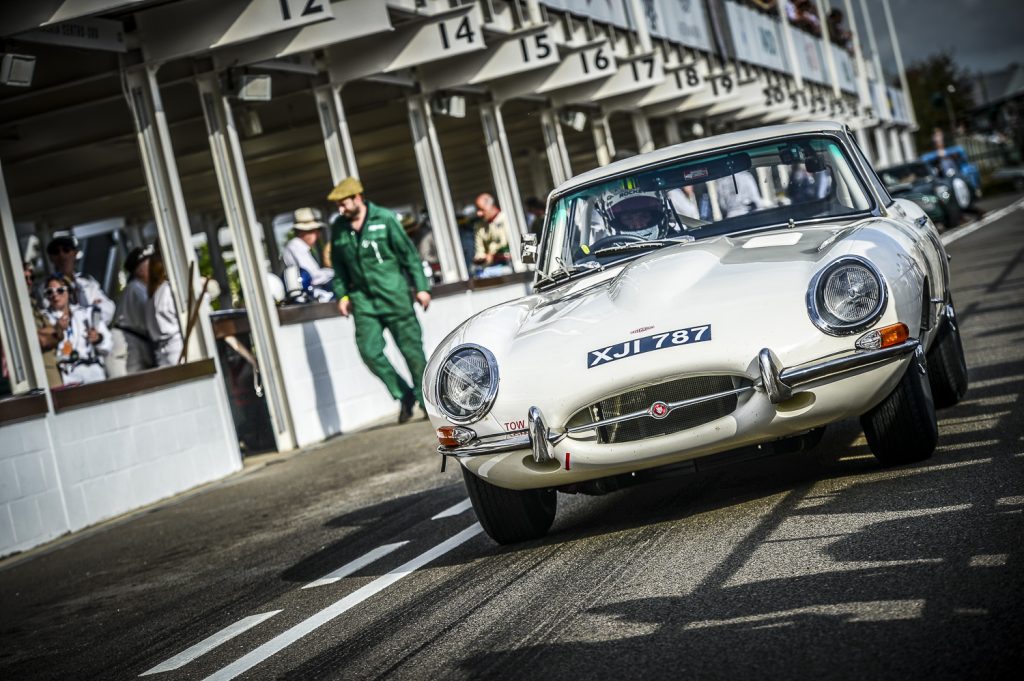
column 529, row 249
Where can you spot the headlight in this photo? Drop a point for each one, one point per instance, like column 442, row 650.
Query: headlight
column 467, row 384
column 846, row 297
column 943, row 192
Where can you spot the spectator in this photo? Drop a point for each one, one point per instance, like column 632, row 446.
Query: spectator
column 684, row 202
column 534, row 215
column 491, row 246
column 836, row 33
column 63, row 253
column 46, row 334
column 738, row 194
column 375, row 262
column 302, row 251
column 162, row 316
column 83, row 339
column 467, row 234
column 130, row 316
column 422, row 237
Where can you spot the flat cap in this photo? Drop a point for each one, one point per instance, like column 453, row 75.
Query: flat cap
column 350, row 186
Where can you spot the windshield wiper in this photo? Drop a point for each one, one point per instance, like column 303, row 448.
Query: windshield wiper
column 639, row 246
column 564, row 273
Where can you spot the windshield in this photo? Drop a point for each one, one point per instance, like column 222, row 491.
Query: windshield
column 905, row 174
column 698, row 197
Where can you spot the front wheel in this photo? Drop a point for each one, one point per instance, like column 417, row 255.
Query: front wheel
column 952, row 216
column 509, row 515
column 947, row 367
column 902, row 427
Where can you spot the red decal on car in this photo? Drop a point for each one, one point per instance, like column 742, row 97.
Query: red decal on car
column 567, row 455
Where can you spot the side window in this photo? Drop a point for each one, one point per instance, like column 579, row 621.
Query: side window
column 876, row 184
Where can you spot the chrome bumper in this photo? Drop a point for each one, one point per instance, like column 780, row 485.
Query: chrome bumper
column 778, row 383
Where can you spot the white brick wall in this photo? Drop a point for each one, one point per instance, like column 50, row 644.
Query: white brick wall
column 329, row 387
column 107, row 459
column 31, row 508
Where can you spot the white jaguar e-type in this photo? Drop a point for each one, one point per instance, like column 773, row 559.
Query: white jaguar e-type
column 731, row 294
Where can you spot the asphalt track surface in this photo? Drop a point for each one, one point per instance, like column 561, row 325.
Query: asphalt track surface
column 357, row 559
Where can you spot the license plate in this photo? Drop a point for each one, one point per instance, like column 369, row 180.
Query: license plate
column 658, row 341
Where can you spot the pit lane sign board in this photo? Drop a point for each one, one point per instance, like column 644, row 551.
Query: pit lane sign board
column 353, row 19
column 441, row 36
column 91, row 33
column 631, row 75
column 518, row 54
column 194, row 26
column 16, row 17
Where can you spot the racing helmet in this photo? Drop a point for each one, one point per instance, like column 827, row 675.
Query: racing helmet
column 641, row 215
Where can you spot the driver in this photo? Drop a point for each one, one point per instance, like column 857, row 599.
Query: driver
column 640, row 215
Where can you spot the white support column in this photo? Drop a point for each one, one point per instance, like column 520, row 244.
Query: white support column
column 787, row 38
column 881, row 152
column 169, row 212
column 236, row 197
column 830, row 61
column 858, row 58
column 642, row 130
column 538, row 175
column 434, row 179
column 764, row 181
column 334, row 127
column 909, row 150
column 503, row 172
column 604, row 144
column 672, row 133
column 899, row 63
column 895, row 151
column 17, row 327
column 554, row 146
column 864, row 143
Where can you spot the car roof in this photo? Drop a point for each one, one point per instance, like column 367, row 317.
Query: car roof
column 699, row 146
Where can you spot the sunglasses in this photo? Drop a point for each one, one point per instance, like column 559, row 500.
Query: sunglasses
column 55, row 291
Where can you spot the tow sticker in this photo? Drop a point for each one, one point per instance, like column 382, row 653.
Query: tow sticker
column 658, row 341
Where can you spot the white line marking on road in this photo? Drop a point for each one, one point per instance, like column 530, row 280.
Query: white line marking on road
column 310, row 624
column 208, row 644
column 458, row 508
column 357, row 564
column 973, row 227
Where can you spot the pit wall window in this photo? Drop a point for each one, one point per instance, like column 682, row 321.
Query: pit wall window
column 101, row 302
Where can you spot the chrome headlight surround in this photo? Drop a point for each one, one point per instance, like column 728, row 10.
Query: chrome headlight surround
column 465, row 416
column 818, row 311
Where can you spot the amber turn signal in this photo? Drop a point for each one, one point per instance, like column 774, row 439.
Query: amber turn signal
column 884, row 337
column 454, row 436
column 894, row 335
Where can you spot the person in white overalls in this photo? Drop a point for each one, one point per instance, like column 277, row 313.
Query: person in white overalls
column 83, row 337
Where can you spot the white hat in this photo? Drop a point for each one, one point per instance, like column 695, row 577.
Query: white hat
column 307, row 219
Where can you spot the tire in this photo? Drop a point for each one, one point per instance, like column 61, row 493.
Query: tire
column 947, row 367
column 508, row 515
column 953, row 215
column 962, row 193
column 902, row 427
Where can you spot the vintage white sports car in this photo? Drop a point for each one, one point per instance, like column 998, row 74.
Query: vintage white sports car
column 732, row 294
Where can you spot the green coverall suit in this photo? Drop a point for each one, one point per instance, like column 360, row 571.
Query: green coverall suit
column 374, row 268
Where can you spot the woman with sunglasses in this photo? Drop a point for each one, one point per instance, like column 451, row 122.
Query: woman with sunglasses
column 83, row 338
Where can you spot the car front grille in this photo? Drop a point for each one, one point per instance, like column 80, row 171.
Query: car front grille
column 640, row 399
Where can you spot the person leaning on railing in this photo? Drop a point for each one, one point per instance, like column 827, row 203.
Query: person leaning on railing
column 83, row 339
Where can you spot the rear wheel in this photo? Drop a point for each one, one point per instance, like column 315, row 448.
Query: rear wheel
column 953, row 215
column 902, row 427
column 509, row 515
column 947, row 367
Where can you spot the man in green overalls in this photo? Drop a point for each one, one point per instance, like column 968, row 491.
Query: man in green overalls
column 375, row 265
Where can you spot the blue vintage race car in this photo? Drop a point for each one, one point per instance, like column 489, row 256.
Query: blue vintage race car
column 953, row 164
